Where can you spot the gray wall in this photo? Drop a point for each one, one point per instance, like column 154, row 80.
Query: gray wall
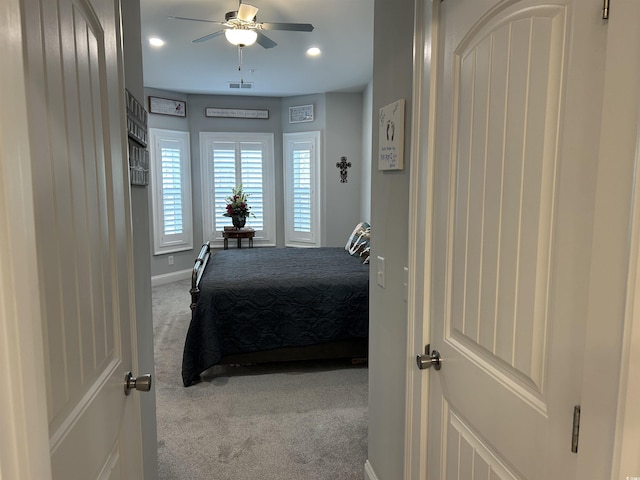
column 338, row 117
column 141, row 241
column 392, row 80
column 343, row 138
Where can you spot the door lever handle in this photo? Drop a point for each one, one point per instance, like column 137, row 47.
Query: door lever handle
column 429, row 359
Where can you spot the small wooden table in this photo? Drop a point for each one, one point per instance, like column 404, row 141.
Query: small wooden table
column 239, row 233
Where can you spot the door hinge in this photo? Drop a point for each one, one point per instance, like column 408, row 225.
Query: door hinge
column 605, row 10
column 575, row 431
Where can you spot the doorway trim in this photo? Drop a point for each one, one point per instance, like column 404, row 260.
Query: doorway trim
column 420, row 222
column 619, row 149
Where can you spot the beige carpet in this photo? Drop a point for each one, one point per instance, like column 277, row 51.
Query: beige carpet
column 287, row 421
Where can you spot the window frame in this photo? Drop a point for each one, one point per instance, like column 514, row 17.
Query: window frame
column 162, row 245
column 294, row 238
column 213, row 233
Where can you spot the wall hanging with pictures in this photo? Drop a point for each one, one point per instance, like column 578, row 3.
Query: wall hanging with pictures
column 138, row 165
column 136, row 120
column 166, row 106
column 391, row 136
column 138, row 138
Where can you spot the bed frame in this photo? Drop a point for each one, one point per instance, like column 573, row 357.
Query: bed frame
column 196, row 273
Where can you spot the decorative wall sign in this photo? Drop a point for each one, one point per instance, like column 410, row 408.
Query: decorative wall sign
column 302, row 113
column 343, row 165
column 391, row 136
column 236, row 113
column 165, row 106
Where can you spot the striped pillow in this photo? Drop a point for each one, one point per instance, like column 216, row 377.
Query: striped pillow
column 359, row 241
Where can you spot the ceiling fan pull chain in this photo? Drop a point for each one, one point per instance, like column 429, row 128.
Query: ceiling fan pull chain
column 240, row 64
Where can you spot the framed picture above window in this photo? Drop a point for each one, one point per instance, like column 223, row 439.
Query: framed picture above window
column 165, row 106
column 301, row 113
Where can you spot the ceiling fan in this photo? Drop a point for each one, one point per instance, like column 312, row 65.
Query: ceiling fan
column 242, row 28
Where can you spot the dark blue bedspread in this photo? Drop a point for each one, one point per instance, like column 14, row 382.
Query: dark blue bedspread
column 265, row 298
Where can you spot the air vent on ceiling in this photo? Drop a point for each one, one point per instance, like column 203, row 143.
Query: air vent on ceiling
column 241, row 85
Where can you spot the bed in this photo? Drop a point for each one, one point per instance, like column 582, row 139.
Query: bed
column 273, row 304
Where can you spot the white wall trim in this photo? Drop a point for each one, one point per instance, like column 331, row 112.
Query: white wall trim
column 610, row 386
column 170, row 277
column 208, row 140
column 420, row 227
column 293, row 238
column 369, row 474
column 626, row 461
column 164, row 243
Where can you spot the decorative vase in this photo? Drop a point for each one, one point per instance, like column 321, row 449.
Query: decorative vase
column 238, row 221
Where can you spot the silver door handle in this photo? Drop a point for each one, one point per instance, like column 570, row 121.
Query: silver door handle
column 429, row 359
column 141, row 383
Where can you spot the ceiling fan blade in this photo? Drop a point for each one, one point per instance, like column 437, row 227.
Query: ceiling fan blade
column 247, row 12
column 295, row 27
column 264, row 41
column 208, row 37
column 195, row 19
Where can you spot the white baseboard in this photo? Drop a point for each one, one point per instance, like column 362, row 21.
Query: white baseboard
column 170, row 277
column 369, row 474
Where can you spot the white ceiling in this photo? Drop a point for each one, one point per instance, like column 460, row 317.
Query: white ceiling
column 343, row 30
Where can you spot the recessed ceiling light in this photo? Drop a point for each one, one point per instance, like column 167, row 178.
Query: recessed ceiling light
column 156, row 42
column 313, row 52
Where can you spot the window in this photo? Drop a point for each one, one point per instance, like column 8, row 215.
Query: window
column 302, row 189
column 232, row 159
column 171, row 189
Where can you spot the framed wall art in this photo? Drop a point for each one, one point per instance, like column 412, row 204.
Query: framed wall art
column 391, row 136
column 236, row 113
column 301, row 113
column 166, row 106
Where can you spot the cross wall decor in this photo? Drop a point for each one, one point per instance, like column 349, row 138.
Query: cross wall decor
column 343, row 165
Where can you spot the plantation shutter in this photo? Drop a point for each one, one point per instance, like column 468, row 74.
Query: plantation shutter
column 172, row 220
column 234, row 164
column 170, row 174
column 302, row 188
column 224, row 179
column 231, row 160
column 251, row 179
column 302, row 192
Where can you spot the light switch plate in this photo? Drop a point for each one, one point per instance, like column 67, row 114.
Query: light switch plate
column 380, row 272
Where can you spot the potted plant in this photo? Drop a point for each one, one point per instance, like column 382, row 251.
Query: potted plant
column 237, row 207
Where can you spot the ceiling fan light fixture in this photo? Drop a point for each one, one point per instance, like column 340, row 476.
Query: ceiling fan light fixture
column 241, row 37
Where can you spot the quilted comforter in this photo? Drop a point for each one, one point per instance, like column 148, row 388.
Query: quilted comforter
column 265, row 298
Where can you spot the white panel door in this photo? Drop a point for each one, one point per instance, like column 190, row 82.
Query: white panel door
column 517, row 128
column 82, row 221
